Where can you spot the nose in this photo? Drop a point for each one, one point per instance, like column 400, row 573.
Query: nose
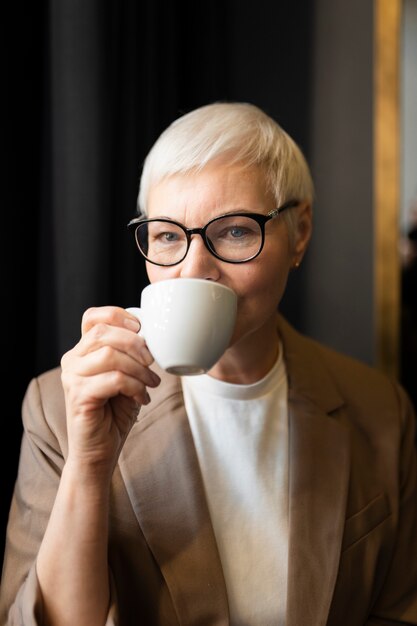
column 199, row 262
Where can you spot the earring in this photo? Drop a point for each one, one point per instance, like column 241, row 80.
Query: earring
column 296, row 264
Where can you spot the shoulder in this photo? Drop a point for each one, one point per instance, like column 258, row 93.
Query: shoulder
column 47, row 387
column 349, row 371
column 363, row 388
column 44, row 406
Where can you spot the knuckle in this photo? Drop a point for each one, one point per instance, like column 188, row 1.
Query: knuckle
column 88, row 314
column 98, row 330
column 118, row 379
column 107, row 353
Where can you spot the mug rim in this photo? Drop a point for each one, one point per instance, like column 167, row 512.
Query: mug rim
column 190, row 279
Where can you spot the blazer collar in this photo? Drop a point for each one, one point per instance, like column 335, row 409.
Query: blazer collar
column 308, row 376
column 319, row 465
column 167, row 493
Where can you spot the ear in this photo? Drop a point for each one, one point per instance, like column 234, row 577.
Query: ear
column 303, row 230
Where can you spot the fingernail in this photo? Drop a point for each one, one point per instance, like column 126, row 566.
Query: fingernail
column 155, row 377
column 132, row 324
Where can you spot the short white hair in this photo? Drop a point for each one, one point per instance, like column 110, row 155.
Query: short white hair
column 236, row 132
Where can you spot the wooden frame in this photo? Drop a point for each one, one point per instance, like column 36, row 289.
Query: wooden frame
column 387, row 51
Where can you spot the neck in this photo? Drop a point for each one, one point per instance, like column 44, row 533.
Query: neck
column 251, row 358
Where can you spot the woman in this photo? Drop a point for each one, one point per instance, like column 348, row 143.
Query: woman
column 280, row 488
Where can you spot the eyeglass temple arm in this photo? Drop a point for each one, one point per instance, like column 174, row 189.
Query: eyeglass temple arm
column 135, row 220
column 287, row 205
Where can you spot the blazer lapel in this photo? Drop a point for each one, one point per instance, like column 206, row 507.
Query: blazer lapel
column 318, row 483
column 167, row 495
column 319, row 469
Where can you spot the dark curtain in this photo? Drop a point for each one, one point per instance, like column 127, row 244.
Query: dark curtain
column 90, row 85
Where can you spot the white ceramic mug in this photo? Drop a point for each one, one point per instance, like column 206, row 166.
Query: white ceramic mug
column 187, row 323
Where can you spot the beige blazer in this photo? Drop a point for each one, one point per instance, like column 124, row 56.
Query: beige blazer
column 352, row 491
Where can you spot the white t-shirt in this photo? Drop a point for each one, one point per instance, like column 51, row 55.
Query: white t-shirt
column 241, row 436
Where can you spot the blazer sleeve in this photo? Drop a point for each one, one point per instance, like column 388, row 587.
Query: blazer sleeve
column 40, row 466
column 397, row 602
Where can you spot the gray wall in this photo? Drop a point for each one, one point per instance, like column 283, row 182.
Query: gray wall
column 338, row 299
column 409, row 118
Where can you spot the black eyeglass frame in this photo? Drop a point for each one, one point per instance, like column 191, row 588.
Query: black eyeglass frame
column 258, row 217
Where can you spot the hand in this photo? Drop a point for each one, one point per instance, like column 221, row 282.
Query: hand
column 105, row 379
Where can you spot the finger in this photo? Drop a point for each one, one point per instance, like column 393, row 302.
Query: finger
column 87, row 394
column 108, row 359
column 112, row 315
column 101, row 335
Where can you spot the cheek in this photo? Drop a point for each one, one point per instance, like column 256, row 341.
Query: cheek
column 263, row 290
column 260, row 289
column 156, row 273
column 264, row 278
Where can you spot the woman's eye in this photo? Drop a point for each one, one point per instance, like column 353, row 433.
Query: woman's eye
column 166, row 236
column 237, row 232
column 169, row 236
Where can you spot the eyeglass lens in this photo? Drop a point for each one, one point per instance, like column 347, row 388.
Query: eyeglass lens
column 234, row 238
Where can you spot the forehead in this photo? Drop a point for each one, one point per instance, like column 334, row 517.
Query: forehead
column 215, row 189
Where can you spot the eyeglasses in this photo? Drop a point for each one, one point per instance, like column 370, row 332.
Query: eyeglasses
column 233, row 238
